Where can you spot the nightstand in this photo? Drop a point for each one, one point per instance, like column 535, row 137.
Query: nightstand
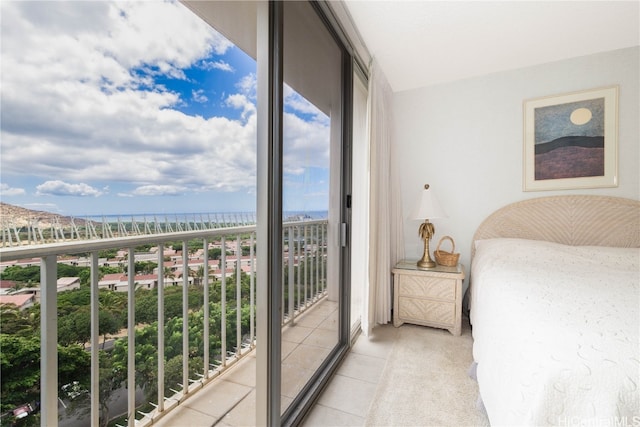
column 429, row 297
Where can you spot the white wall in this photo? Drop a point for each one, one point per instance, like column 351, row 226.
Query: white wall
column 465, row 139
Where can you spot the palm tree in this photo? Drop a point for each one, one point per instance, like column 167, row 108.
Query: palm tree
column 114, row 304
column 199, row 276
column 168, row 273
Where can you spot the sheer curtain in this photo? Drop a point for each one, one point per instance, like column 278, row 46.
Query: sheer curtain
column 386, row 246
column 360, row 212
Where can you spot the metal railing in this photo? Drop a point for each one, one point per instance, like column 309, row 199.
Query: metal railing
column 57, row 229
column 305, row 254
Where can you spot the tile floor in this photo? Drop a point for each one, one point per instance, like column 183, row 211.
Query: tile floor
column 230, row 399
column 347, row 399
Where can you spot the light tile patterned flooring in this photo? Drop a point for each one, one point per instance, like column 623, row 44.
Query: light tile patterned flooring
column 348, row 397
column 230, row 399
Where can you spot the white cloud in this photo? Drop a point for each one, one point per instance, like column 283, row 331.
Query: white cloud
column 158, row 190
column 6, row 190
column 241, row 102
column 60, row 188
column 199, row 96
column 248, row 86
column 306, row 144
column 295, row 101
column 80, row 107
column 217, row 65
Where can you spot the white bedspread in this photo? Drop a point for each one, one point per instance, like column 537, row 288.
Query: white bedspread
column 555, row 333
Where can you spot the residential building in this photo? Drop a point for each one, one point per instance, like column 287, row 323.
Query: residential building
column 62, row 284
column 7, row 286
column 21, row 301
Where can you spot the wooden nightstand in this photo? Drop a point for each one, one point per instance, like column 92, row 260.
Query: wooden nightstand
column 430, row 297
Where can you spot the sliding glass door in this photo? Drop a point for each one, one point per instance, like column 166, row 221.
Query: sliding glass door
column 313, row 194
column 303, row 91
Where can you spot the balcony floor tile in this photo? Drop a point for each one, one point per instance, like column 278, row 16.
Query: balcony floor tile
column 218, row 397
column 349, row 395
column 186, row 417
column 293, row 379
column 331, row 322
column 296, row 333
column 305, row 356
column 311, row 320
column 244, row 373
column 362, row 367
column 323, row 416
column 379, row 344
column 322, row 338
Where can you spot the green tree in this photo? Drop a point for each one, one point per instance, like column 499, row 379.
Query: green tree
column 75, row 326
column 199, row 276
column 85, row 277
column 112, row 375
column 20, row 368
column 108, row 253
column 145, row 267
column 146, row 305
column 66, row 270
column 16, row 273
column 109, row 324
column 216, row 253
column 109, row 270
column 70, row 301
column 113, row 312
column 168, row 273
column 15, row 322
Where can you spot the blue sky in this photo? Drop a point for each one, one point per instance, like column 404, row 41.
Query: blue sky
column 139, row 107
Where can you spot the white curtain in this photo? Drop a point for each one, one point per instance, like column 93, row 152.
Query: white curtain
column 386, row 245
column 360, row 212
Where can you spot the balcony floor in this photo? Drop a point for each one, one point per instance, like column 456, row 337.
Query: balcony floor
column 349, row 398
column 229, row 400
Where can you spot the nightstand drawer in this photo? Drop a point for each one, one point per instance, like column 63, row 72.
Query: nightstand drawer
column 427, row 287
column 426, row 310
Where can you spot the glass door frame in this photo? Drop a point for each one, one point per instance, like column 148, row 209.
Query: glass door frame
column 270, row 215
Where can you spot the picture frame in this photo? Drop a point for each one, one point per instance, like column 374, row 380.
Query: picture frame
column 571, row 140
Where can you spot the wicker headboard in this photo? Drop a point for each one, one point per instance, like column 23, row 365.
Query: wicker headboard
column 570, row 220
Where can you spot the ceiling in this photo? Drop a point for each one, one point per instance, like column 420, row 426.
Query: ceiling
column 422, row 43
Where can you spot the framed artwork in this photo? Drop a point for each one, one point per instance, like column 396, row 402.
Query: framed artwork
column 571, row 140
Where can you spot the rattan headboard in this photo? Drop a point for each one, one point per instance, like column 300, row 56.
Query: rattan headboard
column 570, row 220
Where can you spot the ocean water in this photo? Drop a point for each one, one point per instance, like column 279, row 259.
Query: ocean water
column 208, row 217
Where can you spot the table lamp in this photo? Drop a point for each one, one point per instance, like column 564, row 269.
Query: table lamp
column 427, row 208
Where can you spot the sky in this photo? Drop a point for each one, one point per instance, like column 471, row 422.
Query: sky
column 139, row 107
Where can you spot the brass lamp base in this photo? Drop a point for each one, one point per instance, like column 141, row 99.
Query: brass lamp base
column 426, row 263
column 426, row 231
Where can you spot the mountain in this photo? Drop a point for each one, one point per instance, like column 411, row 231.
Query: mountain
column 17, row 216
column 570, row 141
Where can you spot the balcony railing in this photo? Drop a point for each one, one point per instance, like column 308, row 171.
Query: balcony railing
column 304, row 272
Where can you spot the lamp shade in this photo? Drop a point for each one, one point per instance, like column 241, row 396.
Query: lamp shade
column 427, row 206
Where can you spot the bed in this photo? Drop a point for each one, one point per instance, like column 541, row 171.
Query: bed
column 554, row 309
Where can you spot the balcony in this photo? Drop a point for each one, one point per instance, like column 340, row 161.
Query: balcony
column 220, row 345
